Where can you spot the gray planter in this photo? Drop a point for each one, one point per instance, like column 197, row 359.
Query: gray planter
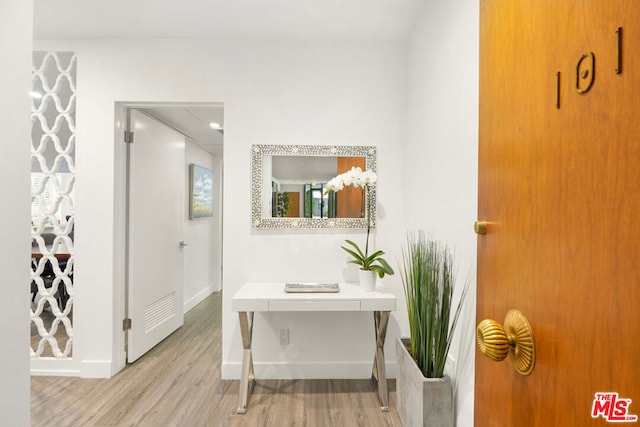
column 421, row 401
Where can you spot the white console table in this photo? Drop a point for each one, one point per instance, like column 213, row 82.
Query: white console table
column 259, row 296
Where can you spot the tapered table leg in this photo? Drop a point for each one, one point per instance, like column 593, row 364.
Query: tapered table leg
column 379, row 375
column 247, row 377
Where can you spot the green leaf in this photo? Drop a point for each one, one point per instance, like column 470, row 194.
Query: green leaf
column 356, row 248
column 379, row 270
column 360, row 258
column 387, row 268
column 375, row 255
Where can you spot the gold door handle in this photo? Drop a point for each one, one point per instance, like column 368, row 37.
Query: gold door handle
column 480, row 227
column 515, row 340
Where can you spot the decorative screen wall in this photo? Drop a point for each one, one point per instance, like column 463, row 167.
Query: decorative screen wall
column 52, row 209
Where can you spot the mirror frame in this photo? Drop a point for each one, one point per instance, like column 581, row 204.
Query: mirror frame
column 258, row 151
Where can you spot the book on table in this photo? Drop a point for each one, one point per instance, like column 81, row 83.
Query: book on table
column 311, row 287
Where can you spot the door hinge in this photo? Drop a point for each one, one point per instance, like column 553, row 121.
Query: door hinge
column 128, row 136
column 126, row 324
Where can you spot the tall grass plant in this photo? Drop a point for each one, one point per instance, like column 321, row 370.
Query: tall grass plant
column 429, row 280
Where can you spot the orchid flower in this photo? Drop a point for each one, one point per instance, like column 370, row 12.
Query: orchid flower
column 352, row 177
column 364, row 180
column 368, row 177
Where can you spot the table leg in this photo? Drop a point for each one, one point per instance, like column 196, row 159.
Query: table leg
column 247, row 377
column 379, row 375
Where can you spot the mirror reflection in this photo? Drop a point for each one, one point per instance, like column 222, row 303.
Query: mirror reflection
column 298, row 187
column 288, row 186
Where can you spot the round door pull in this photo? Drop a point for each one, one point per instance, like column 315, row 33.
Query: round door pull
column 515, row 340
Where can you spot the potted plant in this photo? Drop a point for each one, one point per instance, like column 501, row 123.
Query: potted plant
column 424, row 393
column 281, row 203
column 370, row 265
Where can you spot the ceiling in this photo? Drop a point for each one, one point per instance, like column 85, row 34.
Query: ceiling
column 303, row 169
column 193, row 121
column 326, row 19
column 248, row 19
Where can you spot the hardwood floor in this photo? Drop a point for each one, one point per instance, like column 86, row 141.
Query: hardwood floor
column 178, row 384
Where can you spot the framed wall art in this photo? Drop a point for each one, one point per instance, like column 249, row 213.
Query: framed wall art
column 200, row 192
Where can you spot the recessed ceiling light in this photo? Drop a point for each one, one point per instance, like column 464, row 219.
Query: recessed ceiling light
column 35, row 95
column 214, row 125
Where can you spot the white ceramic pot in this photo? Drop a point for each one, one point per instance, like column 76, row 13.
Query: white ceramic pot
column 368, row 280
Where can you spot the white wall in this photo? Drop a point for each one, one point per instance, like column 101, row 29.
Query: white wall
column 274, row 92
column 312, row 93
column 202, row 261
column 16, row 27
column 441, row 156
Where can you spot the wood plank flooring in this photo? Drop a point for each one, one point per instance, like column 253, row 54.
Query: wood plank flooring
column 178, row 384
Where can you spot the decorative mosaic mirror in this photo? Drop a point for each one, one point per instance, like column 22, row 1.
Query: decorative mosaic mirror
column 288, row 187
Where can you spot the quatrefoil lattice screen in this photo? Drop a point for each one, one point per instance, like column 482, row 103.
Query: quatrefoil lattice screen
column 53, row 114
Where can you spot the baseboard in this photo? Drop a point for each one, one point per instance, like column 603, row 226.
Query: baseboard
column 97, row 369
column 52, row 367
column 199, row 297
column 306, row 370
column 54, row 373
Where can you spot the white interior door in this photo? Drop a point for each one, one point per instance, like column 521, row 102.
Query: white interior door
column 155, row 233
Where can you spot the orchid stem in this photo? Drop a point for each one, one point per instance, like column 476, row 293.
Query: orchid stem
column 367, row 201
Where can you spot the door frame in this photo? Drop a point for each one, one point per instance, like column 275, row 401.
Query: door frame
column 120, row 254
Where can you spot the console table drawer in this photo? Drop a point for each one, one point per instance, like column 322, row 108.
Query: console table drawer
column 314, row 305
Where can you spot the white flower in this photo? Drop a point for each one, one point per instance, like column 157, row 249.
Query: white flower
column 335, row 184
column 368, row 177
column 352, row 177
column 355, row 177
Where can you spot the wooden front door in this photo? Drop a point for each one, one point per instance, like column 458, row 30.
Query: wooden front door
column 293, row 211
column 559, row 185
column 350, row 203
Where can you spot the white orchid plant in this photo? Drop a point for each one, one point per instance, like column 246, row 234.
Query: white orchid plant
column 363, row 180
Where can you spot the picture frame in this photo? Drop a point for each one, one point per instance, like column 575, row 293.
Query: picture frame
column 200, row 192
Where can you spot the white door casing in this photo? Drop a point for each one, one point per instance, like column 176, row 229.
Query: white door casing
column 155, row 232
